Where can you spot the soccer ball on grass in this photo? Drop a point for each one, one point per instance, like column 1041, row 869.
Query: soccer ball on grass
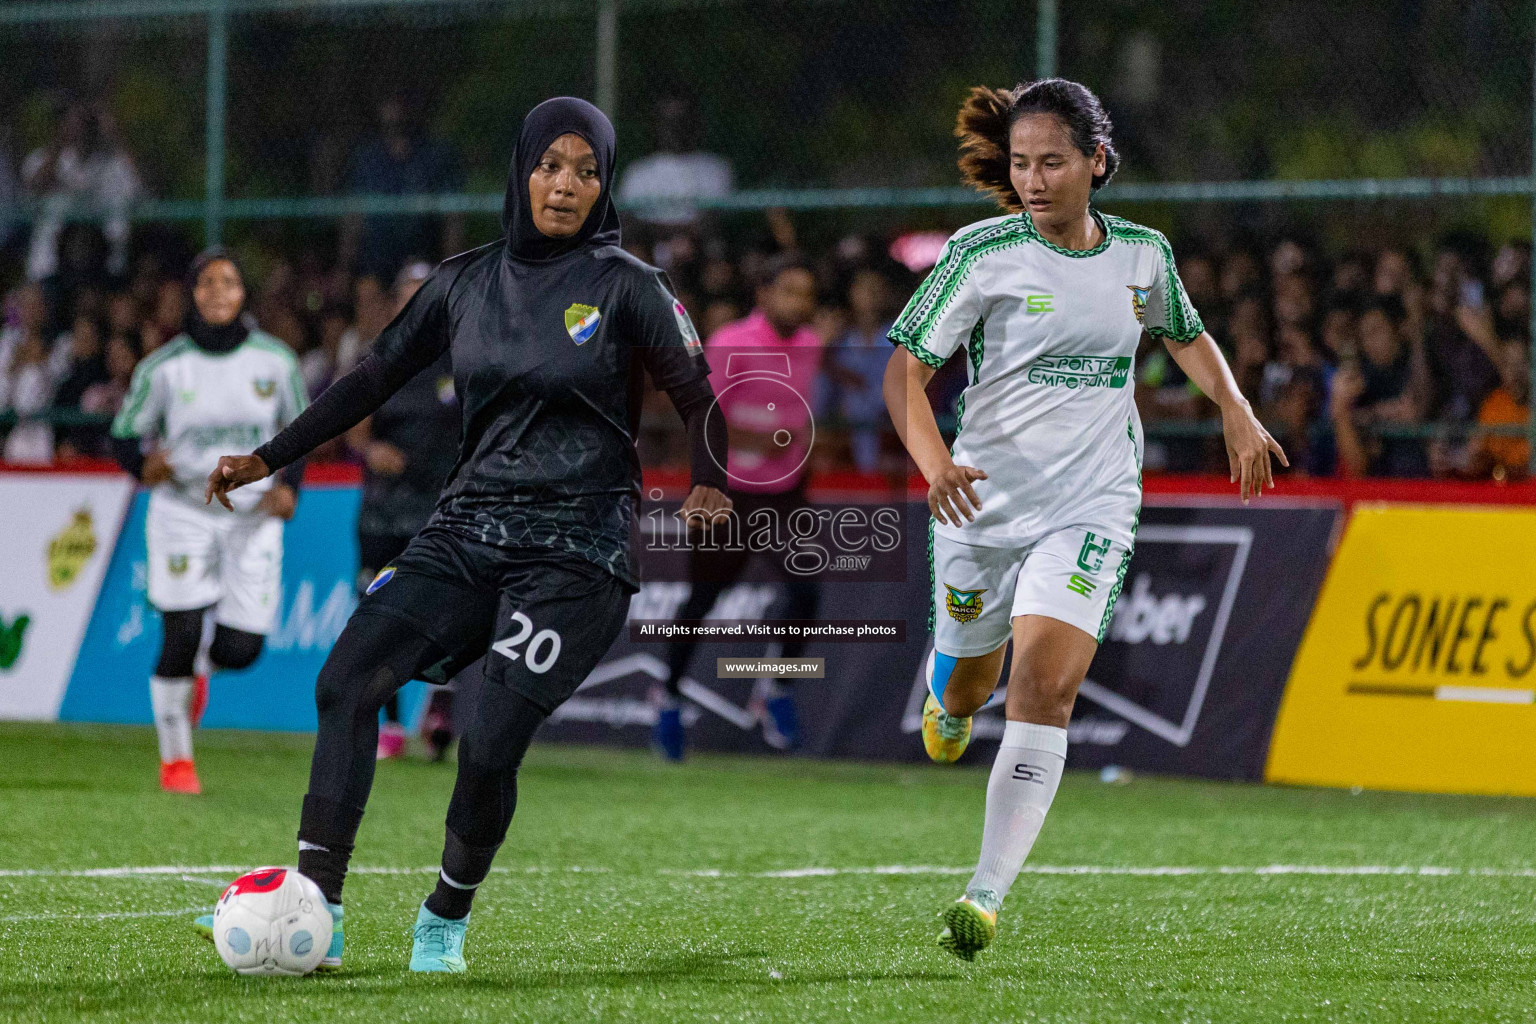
column 272, row 921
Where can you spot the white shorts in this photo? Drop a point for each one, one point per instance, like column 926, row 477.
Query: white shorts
column 200, row 558
column 1073, row 575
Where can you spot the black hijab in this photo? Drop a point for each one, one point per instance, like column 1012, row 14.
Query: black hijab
column 206, row 336
column 544, row 124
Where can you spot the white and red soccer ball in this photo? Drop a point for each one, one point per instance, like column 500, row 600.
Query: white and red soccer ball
column 272, row 921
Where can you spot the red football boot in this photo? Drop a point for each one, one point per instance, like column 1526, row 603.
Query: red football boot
column 180, row 777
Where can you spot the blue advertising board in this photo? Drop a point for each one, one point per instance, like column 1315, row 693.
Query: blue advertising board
column 122, row 642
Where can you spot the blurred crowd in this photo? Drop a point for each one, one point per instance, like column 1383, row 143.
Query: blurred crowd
column 1375, row 363
column 1385, row 362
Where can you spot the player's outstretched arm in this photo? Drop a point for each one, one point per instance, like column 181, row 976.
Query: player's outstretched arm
column 233, row 471
column 1248, row 444
column 950, row 494
column 411, row 343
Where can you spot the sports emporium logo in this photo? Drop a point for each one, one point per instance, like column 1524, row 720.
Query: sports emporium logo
column 1073, row 372
column 963, row 605
column 581, row 322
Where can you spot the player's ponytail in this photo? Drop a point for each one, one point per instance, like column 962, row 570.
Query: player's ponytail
column 987, row 115
column 982, row 128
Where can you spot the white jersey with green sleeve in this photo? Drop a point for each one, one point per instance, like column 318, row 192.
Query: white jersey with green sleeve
column 1050, row 334
column 200, row 405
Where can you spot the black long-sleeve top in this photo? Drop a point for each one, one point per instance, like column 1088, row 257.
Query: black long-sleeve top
column 547, row 359
column 129, row 453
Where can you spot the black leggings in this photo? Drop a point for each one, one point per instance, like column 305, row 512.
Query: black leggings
column 374, row 656
column 374, row 552
column 231, row 649
column 450, row 597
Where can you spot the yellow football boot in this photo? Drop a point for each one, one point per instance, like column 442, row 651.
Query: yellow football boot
column 945, row 736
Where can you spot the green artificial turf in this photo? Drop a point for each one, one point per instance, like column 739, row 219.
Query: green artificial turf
column 604, row 907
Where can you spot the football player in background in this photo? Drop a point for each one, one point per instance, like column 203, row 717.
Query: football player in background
column 219, row 384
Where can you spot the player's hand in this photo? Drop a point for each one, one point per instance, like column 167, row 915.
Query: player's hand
column 280, row 501
column 384, row 458
column 705, row 506
column 950, row 495
column 156, row 469
column 1248, row 448
column 233, row 471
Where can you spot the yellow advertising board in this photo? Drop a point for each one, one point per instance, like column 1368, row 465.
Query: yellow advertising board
column 1418, row 668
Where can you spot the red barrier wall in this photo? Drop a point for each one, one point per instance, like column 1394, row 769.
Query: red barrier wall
column 848, row 485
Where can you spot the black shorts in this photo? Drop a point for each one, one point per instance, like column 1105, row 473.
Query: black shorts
column 374, row 552
column 542, row 619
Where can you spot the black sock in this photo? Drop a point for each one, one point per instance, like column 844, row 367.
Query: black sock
column 464, row 868
column 326, row 831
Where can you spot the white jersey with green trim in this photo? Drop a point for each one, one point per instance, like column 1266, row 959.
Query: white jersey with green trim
column 200, row 405
column 1049, row 410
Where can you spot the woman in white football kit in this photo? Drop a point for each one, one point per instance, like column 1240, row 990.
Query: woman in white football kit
column 219, row 385
column 1035, row 507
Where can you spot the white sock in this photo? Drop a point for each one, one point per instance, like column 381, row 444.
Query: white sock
column 1024, row 780
column 171, row 700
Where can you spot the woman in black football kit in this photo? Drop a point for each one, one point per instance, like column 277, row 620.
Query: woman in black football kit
column 529, row 553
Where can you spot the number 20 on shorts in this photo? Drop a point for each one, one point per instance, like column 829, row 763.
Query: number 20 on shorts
column 542, row 650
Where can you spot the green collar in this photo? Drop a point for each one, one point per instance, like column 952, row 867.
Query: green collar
column 1098, row 218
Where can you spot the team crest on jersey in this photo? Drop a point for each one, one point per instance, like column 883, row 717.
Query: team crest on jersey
column 445, row 389
column 385, row 575
column 177, row 564
column 1139, row 301
column 265, row 387
column 581, row 322
column 963, row 605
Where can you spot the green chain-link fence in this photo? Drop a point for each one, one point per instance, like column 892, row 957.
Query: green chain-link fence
column 1361, row 123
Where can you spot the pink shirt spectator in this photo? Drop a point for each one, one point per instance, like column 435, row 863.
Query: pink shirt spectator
column 763, row 383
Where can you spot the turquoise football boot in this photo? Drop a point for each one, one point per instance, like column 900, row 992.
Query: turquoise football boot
column 437, row 944
column 332, row 961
